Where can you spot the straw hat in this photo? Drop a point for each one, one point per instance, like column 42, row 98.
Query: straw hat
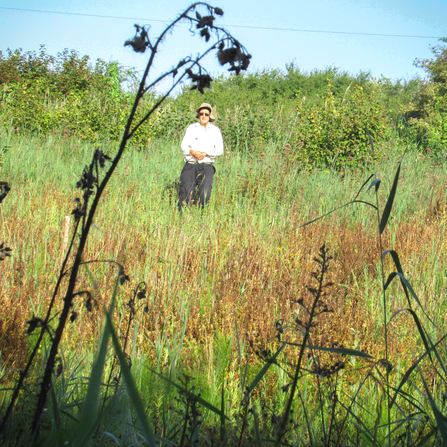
column 205, row 105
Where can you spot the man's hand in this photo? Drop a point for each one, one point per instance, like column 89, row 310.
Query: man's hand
column 198, row 154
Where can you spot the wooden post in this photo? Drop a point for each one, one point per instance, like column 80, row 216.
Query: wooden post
column 65, row 236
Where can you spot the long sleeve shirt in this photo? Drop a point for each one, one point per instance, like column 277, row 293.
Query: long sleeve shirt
column 205, row 139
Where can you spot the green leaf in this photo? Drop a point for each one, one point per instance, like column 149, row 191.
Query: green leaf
column 134, row 396
column 440, row 420
column 201, row 401
column 262, row 372
column 89, row 415
column 111, row 436
column 410, row 371
column 390, row 201
column 376, row 183
column 428, row 344
column 223, row 434
column 364, row 184
column 343, row 351
column 257, row 432
column 398, row 265
column 407, row 287
column 57, row 415
column 421, row 331
column 364, row 202
column 336, row 209
column 343, row 206
column 360, row 424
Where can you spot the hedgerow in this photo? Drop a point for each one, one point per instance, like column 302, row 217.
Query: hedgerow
column 320, row 118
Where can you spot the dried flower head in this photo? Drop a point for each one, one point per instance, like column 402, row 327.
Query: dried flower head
column 101, row 158
column 34, row 323
column 140, row 41
column 4, row 251
column 235, row 56
column 203, row 22
column 89, row 304
column 4, row 189
column 122, row 275
column 200, row 81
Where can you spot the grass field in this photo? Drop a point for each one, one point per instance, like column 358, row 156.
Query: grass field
column 223, row 282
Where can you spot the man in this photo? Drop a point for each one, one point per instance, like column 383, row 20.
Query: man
column 201, row 145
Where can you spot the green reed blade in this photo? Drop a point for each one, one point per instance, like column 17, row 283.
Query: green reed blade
column 134, row 396
column 440, row 420
column 199, row 399
column 389, row 202
column 90, row 406
column 342, row 351
column 262, row 372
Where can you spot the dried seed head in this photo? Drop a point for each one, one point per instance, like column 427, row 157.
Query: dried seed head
column 4, row 251
column 205, row 33
column 33, row 324
column 140, row 41
column 122, row 276
column 141, row 294
column 204, row 21
column 59, row 369
column 89, row 304
column 101, row 158
column 4, row 189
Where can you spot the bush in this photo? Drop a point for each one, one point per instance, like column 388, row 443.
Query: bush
column 335, row 132
column 66, row 93
column 428, row 111
column 322, row 116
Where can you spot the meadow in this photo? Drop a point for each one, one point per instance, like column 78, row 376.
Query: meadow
column 303, row 306
column 224, row 287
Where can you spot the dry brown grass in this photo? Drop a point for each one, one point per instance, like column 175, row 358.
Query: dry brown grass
column 227, row 276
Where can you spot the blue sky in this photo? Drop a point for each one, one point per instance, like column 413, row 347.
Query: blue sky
column 391, row 57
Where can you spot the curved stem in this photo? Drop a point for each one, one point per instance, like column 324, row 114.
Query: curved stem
column 385, row 323
column 317, row 295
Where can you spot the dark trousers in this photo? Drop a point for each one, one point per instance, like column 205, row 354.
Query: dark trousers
column 200, row 176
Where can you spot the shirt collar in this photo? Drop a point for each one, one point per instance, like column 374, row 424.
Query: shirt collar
column 200, row 126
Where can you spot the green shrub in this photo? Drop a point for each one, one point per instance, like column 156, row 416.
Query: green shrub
column 335, row 131
column 428, row 111
column 66, row 93
column 322, row 117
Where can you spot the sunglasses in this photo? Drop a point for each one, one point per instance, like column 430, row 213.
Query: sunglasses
column 204, row 114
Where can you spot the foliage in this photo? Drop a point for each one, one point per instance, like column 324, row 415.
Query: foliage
column 68, row 72
column 67, row 95
column 322, row 118
column 269, row 87
column 338, row 133
column 428, row 111
column 63, row 94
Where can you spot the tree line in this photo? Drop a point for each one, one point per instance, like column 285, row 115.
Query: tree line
column 323, row 117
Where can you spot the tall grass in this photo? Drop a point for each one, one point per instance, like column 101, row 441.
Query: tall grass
column 219, row 281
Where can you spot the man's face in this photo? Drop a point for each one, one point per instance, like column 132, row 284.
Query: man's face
column 204, row 116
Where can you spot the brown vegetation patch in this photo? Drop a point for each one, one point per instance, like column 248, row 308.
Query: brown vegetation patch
column 220, row 281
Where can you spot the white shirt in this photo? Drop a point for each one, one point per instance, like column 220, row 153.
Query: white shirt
column 205, row 139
